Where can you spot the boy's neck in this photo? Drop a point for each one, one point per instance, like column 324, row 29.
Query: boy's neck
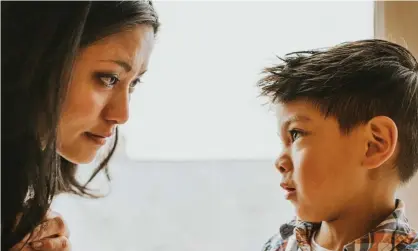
column 357, row 220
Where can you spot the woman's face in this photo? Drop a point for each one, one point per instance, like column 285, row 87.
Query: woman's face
column 104, row 76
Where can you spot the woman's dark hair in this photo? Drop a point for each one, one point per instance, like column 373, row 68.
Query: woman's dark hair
column 40, row 41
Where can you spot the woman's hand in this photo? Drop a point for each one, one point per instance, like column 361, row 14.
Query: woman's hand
column 51, row 235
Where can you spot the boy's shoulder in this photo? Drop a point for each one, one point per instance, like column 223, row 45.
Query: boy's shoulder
column 286, row 239
column 277, row 243
column 394, row 233
column 405, row 243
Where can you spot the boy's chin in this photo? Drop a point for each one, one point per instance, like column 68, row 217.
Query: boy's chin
column 309, row 216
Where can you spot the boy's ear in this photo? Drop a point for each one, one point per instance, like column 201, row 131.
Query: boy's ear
column 382, row 137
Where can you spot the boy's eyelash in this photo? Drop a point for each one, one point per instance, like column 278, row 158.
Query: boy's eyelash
column 294, row 132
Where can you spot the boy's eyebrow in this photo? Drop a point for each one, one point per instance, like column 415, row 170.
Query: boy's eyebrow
column 296, row 118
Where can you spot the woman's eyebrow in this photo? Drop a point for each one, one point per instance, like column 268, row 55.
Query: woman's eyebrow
column 121, row 63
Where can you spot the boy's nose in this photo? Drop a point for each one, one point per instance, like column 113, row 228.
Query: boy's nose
column 283, row 165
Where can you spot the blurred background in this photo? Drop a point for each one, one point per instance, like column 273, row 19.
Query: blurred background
column 194, row 167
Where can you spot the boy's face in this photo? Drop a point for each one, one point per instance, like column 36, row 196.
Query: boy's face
column 321, row 166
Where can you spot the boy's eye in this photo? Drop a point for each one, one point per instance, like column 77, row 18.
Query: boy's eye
column 295, row 134
column 109, row 80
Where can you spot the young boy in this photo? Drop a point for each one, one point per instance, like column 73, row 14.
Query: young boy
column 348, row 121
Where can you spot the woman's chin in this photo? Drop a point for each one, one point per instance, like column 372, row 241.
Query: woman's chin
column 79, row 159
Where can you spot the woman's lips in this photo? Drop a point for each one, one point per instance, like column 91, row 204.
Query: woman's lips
column 97, row 139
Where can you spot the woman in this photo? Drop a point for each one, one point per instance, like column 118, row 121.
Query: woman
column 68, row 69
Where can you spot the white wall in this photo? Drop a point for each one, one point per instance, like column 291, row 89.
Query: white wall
column 199, row 99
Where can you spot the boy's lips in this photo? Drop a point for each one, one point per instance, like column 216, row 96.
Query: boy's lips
column 290, row 190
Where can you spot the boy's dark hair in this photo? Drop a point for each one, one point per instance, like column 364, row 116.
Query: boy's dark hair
column 355, row 82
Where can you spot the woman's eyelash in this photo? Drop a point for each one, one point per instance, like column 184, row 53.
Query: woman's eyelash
column 133, row 84
column 108, row 80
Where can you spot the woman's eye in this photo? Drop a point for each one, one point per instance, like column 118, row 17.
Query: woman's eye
column 133, row 84
column 109, row 80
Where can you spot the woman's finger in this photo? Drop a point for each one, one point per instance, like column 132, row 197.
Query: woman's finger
column 51, row 215
column 52, row 226
column 49, row 228
column 60, row 243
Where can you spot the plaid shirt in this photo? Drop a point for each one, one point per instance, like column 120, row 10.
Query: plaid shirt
column 394, row 233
